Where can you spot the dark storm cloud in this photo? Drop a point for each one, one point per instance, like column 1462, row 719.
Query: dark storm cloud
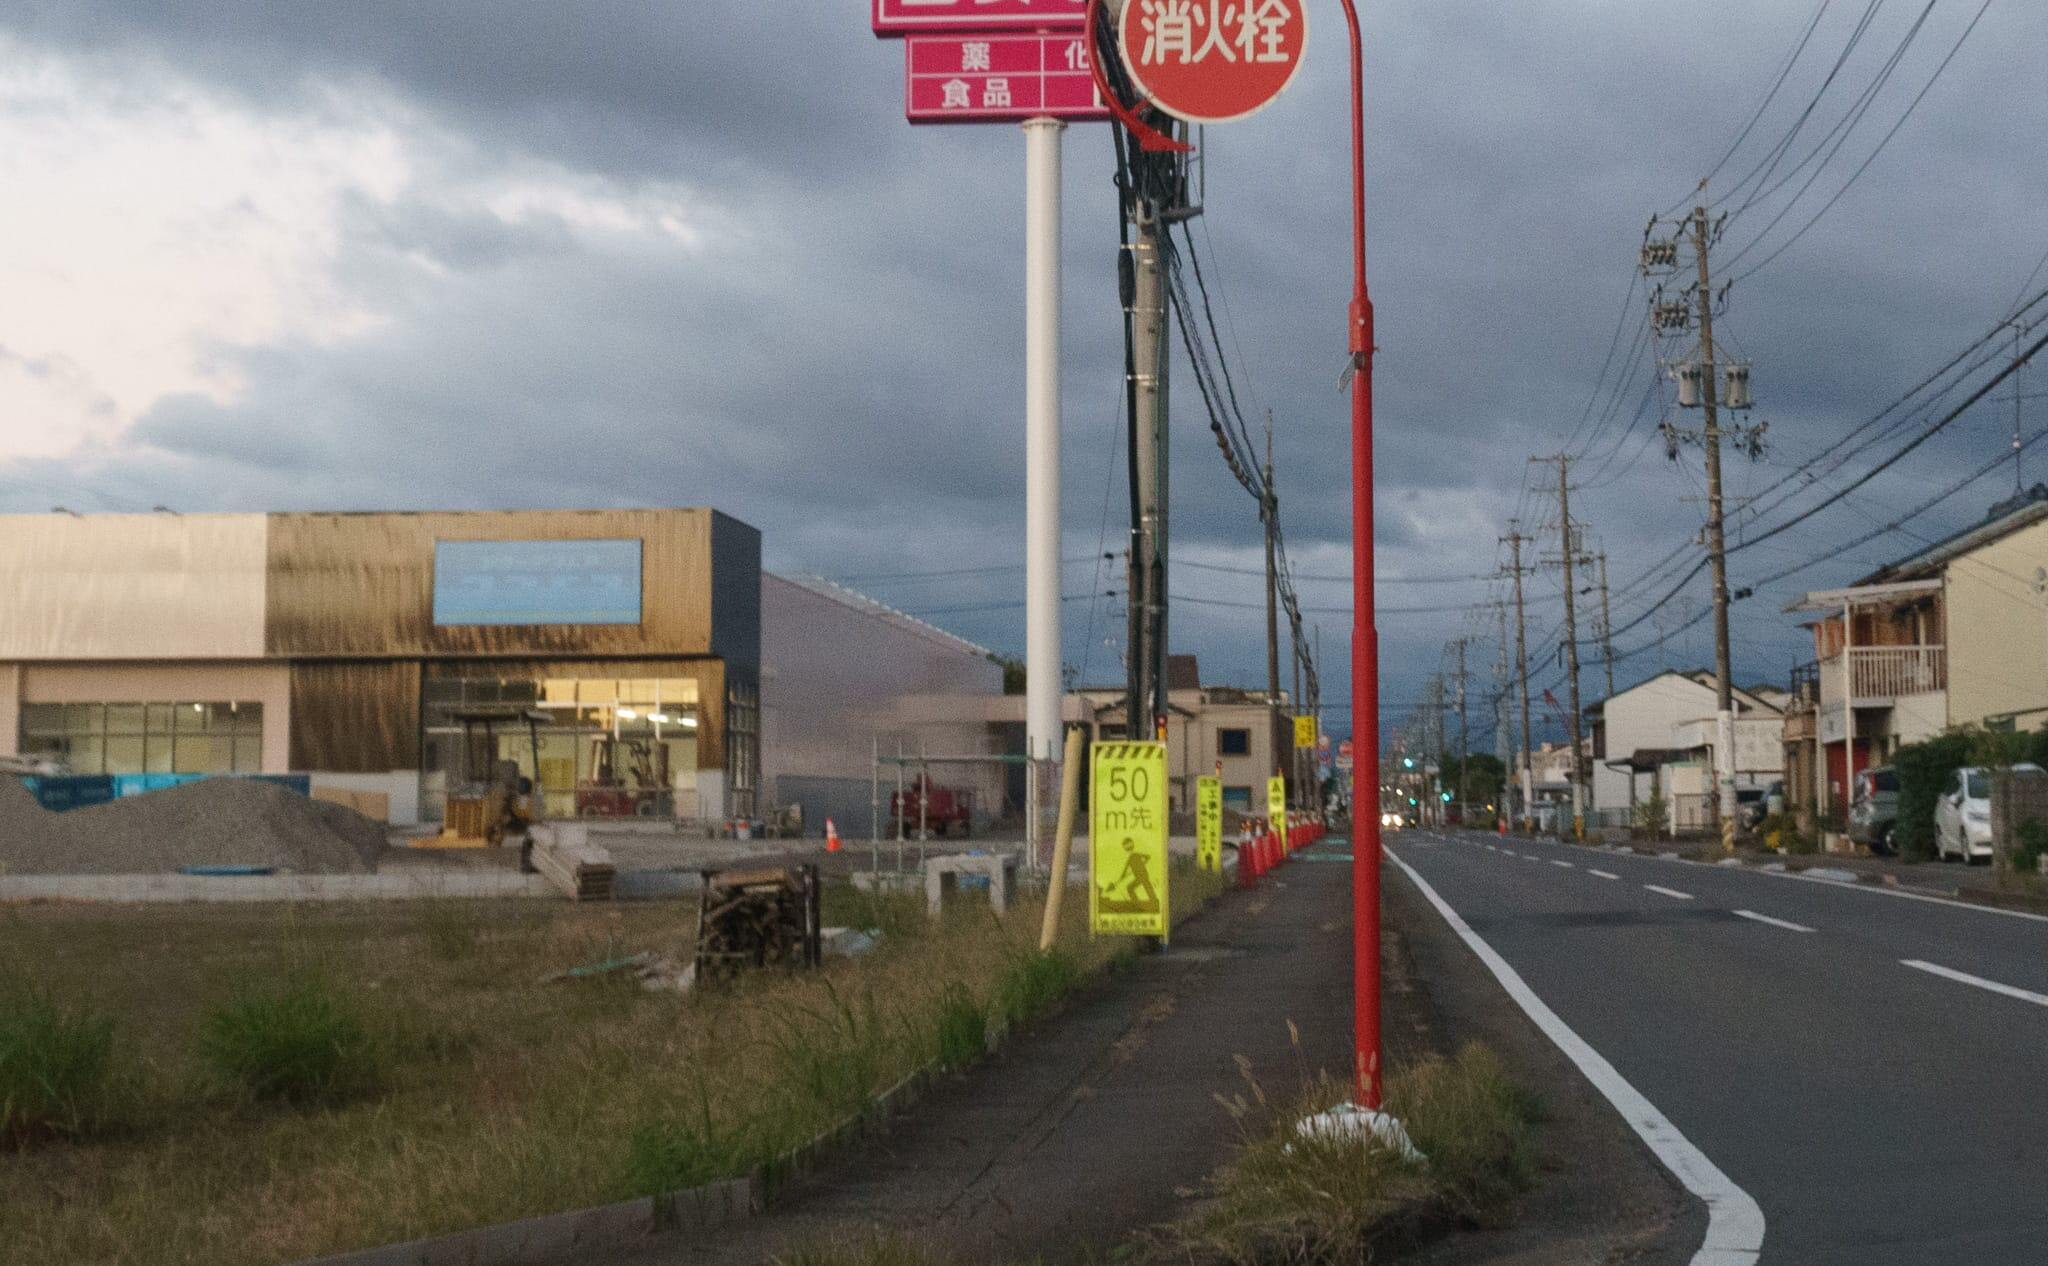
column 844, row 372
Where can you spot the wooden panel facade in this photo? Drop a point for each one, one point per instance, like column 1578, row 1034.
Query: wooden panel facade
column 362, row 585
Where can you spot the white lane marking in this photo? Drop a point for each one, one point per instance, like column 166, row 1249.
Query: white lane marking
column 1566, row 865
column 1776, row 923
column 1735, row 1225
column 1601, row 873
column 1491, row 849
column 1508, row 852
column 1670, row 892
column 1963, row 977
column 1882, row 890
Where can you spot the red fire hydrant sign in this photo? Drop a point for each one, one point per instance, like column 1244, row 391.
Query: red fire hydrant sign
column 1211, row 61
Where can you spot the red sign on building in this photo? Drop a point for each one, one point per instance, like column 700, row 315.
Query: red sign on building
column 998, row 78
column 1210, row 61
column 915, row 17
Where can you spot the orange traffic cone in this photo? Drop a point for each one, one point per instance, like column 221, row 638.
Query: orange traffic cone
column 831, row 837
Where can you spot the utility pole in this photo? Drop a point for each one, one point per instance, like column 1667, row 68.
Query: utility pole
column 1606, row 626
column 1568, row 554
column 1270, row 513
column 1515, row 539
column 1315, row 707
column 1294, row 701
column 1147, row 307
column 1464, row 739
column 1724, row 686
column 1502, row 749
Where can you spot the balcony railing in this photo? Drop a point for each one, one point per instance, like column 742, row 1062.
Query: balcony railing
column 1887, row 672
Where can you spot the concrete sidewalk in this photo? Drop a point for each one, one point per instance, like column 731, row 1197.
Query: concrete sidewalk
column 1106, row 1120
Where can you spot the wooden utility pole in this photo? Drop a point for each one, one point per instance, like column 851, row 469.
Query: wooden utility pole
column 1724, row 686
column 1514, row 538
column 1606, row 626
column 1567, row 555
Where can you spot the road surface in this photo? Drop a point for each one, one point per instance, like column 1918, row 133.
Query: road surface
column 1870, row 1069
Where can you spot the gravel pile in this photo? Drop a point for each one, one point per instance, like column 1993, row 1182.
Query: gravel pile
column 214, row 822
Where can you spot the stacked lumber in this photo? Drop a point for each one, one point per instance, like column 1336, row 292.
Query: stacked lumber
column 758, row 918
column 566, row 858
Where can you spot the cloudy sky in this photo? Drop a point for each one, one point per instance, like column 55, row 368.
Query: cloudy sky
column 469, row 253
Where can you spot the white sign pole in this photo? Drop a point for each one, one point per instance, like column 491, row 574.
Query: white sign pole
column 1042, row 441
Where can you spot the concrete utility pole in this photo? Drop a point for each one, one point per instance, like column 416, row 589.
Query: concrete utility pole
column 1147, row 703
column 1571, row 637
column 1514, row 538
column 1042, row 440
column 1464, row 739
column 1294, row 779
column 1724, row 686
column 1606, row 626
column 1270, row 516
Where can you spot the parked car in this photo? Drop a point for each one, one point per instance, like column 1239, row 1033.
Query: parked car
column 1751, row 805
column 1962, row 815
column 1874, row 809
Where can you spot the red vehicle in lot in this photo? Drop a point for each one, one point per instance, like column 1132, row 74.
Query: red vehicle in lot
column 943, row 811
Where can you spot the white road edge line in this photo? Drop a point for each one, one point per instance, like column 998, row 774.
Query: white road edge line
column 1963, row 977
column 1601, row 873
column 1735, row 1225
column 1875, row 890
column 1670, row 892
column 1776, row 923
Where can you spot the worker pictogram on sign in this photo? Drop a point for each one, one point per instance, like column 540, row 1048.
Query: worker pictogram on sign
column 1209, row 824
column 1276, row 800
column 1211, row 61
column 1127, row 840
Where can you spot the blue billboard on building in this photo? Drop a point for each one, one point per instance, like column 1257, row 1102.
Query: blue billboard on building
column 537, row 582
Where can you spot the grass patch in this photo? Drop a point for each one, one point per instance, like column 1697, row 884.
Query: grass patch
column 1329, row 1199
column 962, row 1027
column 497, row 1097
column 875, row 1248
column 296, row 1039
column 56, row 1065
column 1033, row 983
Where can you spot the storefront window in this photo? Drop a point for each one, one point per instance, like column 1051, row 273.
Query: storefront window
column 609, row 747
column 155, row 738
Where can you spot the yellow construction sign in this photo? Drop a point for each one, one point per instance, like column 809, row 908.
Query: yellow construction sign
column 1209, row 824
column 1305, row 731
column 1127, row 840
column 1276, row 800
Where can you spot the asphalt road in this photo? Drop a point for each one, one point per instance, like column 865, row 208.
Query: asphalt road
column 1871, row 1069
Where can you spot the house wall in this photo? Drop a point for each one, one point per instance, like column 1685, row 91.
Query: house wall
column 1644, row 716
column 1998, row 629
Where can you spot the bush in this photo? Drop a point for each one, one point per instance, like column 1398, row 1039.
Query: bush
column 1650, row 814
column 1923, row 768
column 2030, row 844
column 1033, row 983
column 298, row 1040
column 55, row 1063
column 962, row 1027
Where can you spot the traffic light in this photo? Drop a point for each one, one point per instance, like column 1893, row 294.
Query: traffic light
column 1447, row 797
column 1407, row 762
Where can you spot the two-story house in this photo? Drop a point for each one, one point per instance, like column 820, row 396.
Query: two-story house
column 1644, row 733
column 1955, row 634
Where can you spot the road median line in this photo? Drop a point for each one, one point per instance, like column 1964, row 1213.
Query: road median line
column 1601, row 873
column 1965, row 978
column 1735, row 1225
column 1670, row 892
column 1776, row 923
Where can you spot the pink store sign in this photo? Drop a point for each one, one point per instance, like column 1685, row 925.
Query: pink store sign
column 914, row 17
column 998, row 78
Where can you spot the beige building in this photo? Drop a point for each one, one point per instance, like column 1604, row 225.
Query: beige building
column 1954, row 635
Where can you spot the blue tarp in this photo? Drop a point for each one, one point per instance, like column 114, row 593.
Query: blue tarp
column 80, row 791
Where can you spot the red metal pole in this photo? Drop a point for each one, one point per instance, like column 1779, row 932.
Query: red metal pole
column 1365, row 650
